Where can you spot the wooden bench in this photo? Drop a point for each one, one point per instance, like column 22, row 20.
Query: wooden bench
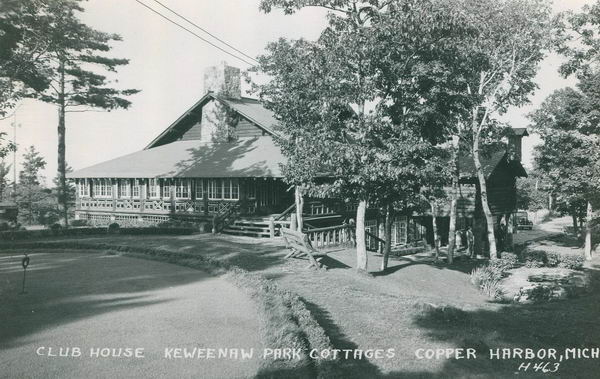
column 301, row 248
column 410, row 248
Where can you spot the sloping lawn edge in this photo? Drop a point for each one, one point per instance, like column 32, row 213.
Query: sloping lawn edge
column 285, row 320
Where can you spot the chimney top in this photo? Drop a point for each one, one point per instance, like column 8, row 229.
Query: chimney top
column 223, row 80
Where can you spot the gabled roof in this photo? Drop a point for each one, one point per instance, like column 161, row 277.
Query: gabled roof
column 489, row 164
column 249, row 108
column 246, row 157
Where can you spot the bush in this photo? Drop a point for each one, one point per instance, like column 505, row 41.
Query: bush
column 535, row 258
column 538, row 258
column 77, row 223
column 113, row 228
column 573, row 262
column 487, row 278
column 4, row 226
column 55, row 227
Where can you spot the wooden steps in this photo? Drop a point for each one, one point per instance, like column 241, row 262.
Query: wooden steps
column 256, row 227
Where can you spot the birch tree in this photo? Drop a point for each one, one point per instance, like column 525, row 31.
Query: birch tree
column 500, row 64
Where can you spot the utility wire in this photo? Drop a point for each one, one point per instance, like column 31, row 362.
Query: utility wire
column 194, row 34
column 205, row 31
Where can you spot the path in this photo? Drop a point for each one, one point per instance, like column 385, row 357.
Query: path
column 93, row 300
column 554, row 226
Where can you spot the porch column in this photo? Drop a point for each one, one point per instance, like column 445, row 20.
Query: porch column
column 205, row 195
column 114, row 183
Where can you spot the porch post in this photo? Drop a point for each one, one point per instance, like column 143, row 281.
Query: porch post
column 205, row 195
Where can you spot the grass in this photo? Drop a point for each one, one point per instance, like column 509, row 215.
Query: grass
column 415, row 304
column 285, row 320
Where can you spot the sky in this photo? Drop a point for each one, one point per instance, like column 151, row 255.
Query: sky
column 167, row 64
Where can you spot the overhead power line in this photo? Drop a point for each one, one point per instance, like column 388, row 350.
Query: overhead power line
column 205, row 31
column 194, row 34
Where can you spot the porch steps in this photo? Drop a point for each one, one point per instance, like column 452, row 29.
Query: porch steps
column 250, row 228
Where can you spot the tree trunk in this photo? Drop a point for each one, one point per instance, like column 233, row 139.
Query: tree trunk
column 575, row 226
column 361, row 247
column 484, row 198
column 63, row 199
column 588, row 231
column 299, row 208
column 388, row 236
column 508, row 239
column 453, row 200
column 436, row 237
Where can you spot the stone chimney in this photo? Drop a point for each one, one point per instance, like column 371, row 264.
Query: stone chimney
column 515, row 141
column 223, row 80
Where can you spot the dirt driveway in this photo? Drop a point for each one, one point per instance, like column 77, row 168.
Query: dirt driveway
column 95, row 303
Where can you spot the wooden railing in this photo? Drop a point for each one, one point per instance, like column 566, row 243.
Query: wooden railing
column 372, row 239
column 285, row 213
column 225, row 217
column 339, row 235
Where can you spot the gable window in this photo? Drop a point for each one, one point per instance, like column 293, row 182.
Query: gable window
column 199, row 190
column 182, row 188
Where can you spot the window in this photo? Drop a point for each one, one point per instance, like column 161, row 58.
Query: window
column 231, row 189
column 153, row 189
column 84, row 188
column 124, row 188
column 165, row 188
column 102, row 188
column 135, row 188
column 182, row 188
column 214, row 189
column 199, row 191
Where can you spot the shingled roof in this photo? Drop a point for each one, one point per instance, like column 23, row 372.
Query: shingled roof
column 249, row 108
column 246, row 157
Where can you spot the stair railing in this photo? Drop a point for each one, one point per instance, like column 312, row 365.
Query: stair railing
column 370, row 237
column 285, row 213
column 225, row 217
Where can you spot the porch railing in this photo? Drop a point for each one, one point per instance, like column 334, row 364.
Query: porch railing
column 331, row 236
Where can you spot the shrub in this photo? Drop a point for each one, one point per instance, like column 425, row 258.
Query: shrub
column 4, row 226
column 77, row 223
column 55, row 227
column 113, row 228
column 573, row 262
column 487, row 278
column 535, row 258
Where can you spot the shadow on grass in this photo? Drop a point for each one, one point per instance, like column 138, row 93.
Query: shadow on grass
column 559, row 325
column 65, row 287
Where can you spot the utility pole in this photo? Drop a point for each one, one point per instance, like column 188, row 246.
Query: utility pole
column 14, row 123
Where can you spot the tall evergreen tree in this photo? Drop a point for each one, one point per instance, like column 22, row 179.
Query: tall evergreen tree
column 70, row 60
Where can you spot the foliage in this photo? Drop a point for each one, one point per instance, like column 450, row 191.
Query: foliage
column 4, row 171
column 56, row 58
column 487, row 278
column 496, row 67
column 540, row 258
column 113, row 228
column 78, row 223
column 363, row 104
column 32, row 196
column 532, row 192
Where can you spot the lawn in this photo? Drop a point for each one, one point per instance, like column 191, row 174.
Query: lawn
column 417, row 304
